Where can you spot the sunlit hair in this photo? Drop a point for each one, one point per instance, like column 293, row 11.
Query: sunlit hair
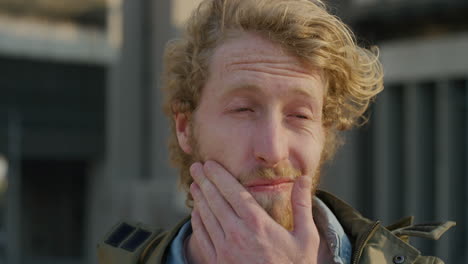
column 353, row 75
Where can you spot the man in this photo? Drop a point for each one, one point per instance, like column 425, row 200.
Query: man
column 257, row 91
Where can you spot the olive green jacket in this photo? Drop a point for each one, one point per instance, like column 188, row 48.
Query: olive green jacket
column 372, row 243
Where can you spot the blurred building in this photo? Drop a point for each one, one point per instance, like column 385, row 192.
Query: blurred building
column 411, row 158
column 83, row 140
column 54, row 59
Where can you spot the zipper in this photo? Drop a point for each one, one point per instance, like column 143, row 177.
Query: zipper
column 360, row 247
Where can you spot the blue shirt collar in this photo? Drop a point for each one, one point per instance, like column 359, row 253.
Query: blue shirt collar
column 177, row 248
column 339, row 246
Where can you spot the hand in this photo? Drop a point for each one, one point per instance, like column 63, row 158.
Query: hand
column 229, row 225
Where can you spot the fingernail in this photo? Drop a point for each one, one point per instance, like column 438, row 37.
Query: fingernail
column 194, row 169
column 207, row 166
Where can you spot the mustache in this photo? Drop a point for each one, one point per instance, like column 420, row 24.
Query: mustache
column 281, row 172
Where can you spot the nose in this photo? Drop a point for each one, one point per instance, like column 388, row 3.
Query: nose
column 271, row 143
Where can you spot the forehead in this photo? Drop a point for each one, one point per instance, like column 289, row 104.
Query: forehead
column 244, row 48
column 248, row 59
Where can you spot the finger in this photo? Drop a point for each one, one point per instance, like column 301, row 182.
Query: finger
column 205, row 245
column 208, row 219
column 241, row 201
column 213, row 197
column 301, row 200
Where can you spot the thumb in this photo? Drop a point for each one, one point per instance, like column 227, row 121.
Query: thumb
column 301, row 200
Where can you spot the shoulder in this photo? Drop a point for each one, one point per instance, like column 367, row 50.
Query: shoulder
column 128, row 242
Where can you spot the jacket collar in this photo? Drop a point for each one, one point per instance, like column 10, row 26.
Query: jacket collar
column 363, row 232
column 359, row 229
column 355, row 225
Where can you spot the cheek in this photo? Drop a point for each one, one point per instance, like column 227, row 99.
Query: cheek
column 225, row 144
column 307, row 150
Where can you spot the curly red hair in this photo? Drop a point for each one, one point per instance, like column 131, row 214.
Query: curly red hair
column 353, row 75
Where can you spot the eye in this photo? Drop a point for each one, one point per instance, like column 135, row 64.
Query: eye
column 243, row 109
column 299, row 116
column 302, row 116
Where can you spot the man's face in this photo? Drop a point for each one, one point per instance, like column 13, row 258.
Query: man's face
column 259, row 116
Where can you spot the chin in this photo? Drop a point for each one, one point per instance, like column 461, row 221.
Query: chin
column 277, row 205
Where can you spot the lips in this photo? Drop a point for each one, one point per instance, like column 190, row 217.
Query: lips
column 268, row 185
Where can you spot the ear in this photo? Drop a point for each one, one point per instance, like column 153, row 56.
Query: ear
column 183, row 131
